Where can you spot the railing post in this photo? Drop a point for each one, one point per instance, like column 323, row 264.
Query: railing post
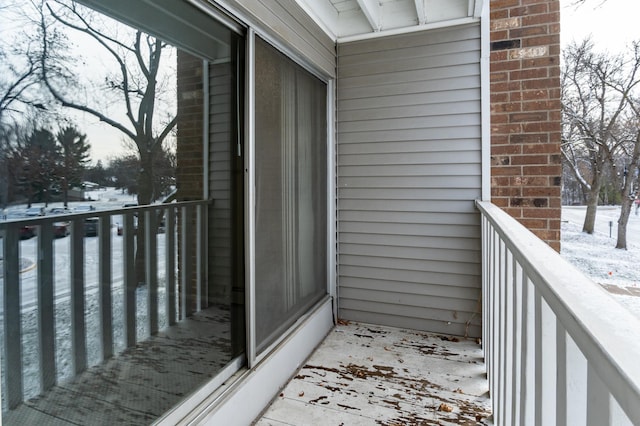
column 151, row 268
column 507, row 399
column 203, row 297
column 170, row 253
column 518, row 309
column 561, row 375
column 501, row 334
column 78, row 332
column 598, row 399
column 129, row 284
column 104, row 285
column 527, row 360
column 576, row 365
column 548, row 322
column 12, row 307
column 46, row 324
column 186, row 284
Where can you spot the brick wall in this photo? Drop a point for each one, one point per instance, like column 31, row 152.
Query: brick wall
column 526, row 166
column 189, row 127
column 190, row 169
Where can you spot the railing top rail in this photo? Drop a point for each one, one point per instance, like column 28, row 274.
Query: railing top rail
column 605, row 332
column 64, row 217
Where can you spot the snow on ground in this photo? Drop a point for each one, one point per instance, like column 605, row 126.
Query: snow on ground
column 597, row 257
column 100, row 199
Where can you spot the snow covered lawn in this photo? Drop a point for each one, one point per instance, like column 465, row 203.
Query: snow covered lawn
column 595, row 255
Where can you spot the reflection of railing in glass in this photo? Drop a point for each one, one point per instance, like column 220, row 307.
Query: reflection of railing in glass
column 66, row 322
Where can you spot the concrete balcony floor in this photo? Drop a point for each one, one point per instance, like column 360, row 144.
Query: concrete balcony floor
column 364, row 374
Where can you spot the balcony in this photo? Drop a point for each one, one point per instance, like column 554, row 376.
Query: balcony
column 557, row 349
column 548, row 354
column 84, row 339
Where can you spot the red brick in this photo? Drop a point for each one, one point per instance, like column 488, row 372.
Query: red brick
column 518, row 160
column 529, row 73
column 535, row 9
column 506, row 149
column 528, row 180
column 528, row 117
column 506, row 171
column 528, row 31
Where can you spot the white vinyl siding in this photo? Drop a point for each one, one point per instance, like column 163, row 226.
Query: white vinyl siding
column 288, row 23
column 409, row 170
column 220, row 181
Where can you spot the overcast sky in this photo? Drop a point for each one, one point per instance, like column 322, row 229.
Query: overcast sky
column 612, row 24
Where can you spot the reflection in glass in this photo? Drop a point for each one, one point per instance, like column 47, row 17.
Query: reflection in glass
column 130, row 310
column 291, row 201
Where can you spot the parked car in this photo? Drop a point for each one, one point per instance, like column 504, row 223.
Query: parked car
column 27, row 232
column 60, row 210
column 60, row 229
column 91, row 227
column 35, row 211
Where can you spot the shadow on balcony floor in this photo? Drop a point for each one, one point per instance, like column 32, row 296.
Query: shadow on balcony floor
column 141, row 383
column 366, row 374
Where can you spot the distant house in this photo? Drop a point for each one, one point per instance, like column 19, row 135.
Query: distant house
column 340, row 148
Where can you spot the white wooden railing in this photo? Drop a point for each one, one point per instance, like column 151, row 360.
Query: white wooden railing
column 559, row 349
column 186, row 220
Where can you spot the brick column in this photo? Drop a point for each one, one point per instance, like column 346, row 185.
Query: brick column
column 526, row 165
column 189, row 127
column 189, row 154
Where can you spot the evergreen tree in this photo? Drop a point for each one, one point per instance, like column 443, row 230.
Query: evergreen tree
column 74, row 157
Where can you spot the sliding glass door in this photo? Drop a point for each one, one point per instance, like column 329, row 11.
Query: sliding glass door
column 290, row 192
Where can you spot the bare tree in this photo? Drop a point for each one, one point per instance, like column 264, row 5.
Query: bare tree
column 595, row 92
column 134, row 83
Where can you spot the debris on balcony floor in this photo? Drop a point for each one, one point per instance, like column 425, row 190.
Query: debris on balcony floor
column 366, row 374
column 140, row 384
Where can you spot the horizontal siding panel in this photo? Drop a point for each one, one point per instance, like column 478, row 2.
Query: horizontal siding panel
column 410, row 300
column 451, row 267
column 401, row 194
column 418, row 98
column 422, row 324
column 409, row 87
column 458, row 169
column 409, row 241
column 445, row 316
column 352, row 64
column 434, row 313
column 418, row 277
column 392, row 124
column 412, row 288
column 446, row 35
column 436, row 133
column 430, row 206
column 423, row 230
column 433, row 253
column 408, row 67
column 363, row 158
column 408, row 182
column 470, row 219
column 451, row 146
column 380, row 113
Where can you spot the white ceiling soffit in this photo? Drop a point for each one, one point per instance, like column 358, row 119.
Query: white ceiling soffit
column 346, row 20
